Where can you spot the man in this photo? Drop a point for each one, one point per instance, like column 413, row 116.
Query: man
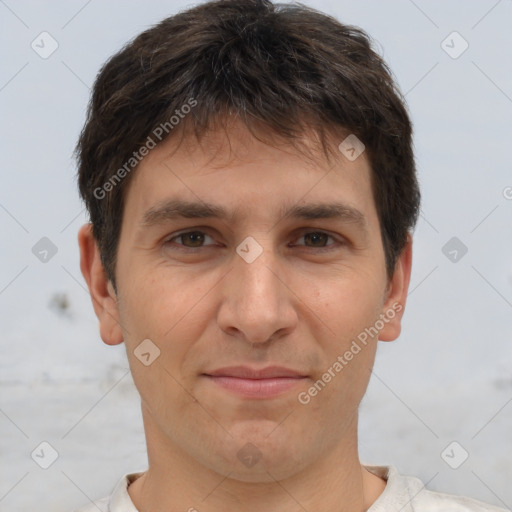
column 249, row 175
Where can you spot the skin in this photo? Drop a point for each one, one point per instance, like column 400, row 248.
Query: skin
column 294, row 306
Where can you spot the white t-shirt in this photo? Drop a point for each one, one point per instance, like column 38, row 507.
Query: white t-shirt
column 402, row 494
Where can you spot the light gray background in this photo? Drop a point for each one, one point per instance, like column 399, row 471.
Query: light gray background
column 448, row 377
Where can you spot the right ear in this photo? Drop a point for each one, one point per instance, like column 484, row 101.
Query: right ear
column 104, row 299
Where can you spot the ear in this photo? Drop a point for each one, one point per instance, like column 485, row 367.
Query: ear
column 394, row 304
column 103, row 297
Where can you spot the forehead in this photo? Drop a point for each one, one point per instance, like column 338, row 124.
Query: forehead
column 229, row 173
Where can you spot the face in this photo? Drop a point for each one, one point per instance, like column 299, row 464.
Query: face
column 258, row 287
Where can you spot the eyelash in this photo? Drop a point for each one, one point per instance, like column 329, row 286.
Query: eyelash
column 181, row 247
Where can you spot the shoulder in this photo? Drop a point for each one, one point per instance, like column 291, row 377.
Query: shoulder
column 430, row 500
column 118, row 501
column 409, row 494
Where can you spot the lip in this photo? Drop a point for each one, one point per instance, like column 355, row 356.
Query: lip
column 251, row 383
column 245, row 372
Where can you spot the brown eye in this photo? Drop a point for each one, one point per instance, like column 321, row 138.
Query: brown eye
column 319, row 240
column 188, row 240
column 195, row 237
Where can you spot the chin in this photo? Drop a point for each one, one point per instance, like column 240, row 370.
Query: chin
column 262, row 459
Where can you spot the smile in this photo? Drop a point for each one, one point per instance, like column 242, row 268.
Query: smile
column 256, row 388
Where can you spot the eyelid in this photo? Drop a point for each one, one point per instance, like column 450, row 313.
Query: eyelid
column 204, row 231
column 338, row 240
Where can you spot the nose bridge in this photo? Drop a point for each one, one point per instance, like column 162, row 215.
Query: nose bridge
column 256, row 273
column 257, row 285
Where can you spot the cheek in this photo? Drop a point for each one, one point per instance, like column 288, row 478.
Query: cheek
column 170, row 311
column 349, row 306
column 349, row 313
column 160, row 303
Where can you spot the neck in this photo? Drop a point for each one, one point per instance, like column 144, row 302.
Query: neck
column 175, row 481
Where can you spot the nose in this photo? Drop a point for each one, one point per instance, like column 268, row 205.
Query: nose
column 257, row 302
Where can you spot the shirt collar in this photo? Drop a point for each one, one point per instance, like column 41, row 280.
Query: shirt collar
column 395, row 491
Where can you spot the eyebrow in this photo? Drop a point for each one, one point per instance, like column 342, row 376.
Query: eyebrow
column 177, row 208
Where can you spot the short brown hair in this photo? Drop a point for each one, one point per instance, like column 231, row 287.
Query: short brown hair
column 285, row 66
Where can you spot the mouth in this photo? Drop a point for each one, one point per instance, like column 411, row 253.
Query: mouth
column 253, row 383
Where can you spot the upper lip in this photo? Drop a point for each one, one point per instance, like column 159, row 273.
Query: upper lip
column 245, row 372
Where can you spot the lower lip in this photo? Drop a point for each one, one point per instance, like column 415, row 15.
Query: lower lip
column 257, row 388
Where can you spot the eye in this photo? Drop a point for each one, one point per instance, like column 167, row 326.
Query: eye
column 196, row 239
column 318, row 239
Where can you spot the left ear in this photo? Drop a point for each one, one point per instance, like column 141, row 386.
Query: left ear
column 394, row 305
